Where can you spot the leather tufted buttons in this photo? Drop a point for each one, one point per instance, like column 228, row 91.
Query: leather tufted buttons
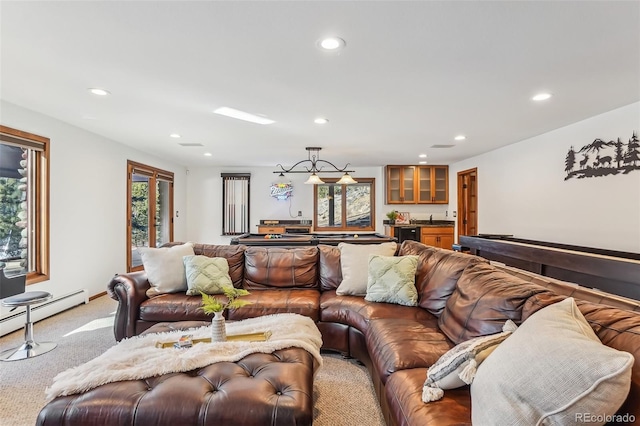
column 278, row 393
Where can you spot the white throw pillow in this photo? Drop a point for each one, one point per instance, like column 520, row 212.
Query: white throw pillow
column 165, row 268
column 354, row 261
column 459, row 365
column 392, row 279
column 552, row 370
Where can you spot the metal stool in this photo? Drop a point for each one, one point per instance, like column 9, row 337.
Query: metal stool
column 29, row 348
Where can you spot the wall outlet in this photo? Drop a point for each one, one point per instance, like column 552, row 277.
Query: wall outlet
column 299, row 213
column 454, row 214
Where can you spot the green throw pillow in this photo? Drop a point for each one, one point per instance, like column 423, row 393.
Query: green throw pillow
column 392, row 279
column 206, row 274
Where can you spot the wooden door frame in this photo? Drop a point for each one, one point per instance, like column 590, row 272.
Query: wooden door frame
column 460, row 200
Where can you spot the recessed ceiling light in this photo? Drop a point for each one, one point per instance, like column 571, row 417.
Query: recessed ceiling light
column 541, row 97
column 332, row 43
column 208, row 154
column 422, row 155
column 241, row 115
column 422, row 162
column 460, row 137
column 99, row 92
column 174, row 135
column 321, row 120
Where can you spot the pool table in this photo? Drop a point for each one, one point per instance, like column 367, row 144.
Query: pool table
column 287, row 240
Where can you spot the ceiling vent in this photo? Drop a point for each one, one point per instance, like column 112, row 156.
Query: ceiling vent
column 442, row 146
column 190, row 144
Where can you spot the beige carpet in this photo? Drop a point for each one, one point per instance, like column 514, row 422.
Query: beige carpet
column 344, row 394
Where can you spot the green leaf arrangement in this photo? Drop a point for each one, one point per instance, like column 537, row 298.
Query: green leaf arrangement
column 392, row 215
column 210, row 304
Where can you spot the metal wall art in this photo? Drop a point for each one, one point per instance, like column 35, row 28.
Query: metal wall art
column 600, row 158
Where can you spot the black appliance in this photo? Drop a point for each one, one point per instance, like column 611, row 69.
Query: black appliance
column 407, row 233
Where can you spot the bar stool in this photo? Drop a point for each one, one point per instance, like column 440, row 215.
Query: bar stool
column 29, row 348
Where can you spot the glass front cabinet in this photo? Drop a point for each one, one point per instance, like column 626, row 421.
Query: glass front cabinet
column 417, row 184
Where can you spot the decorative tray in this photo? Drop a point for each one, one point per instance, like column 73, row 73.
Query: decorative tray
column 251, row 337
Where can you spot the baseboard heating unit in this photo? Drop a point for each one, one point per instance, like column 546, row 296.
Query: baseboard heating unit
column 15, row 320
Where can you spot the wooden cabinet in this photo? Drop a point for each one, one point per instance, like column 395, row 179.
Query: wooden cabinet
column 417, row 184
column 433, row 184
column 401, row 184
column 437, row 236
column 270, row 229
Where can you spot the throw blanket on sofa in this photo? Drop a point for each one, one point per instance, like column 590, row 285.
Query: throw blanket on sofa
column 138, row 358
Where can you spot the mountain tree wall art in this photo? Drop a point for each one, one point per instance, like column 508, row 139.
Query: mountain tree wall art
column 600, row 158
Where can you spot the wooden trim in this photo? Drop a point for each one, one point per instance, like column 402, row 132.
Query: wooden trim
column 461, row 199
column 41, row 146
column 95, row 296
column 154, row 174
column 371, row 182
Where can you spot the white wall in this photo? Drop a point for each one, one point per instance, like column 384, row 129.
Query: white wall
column 205, row 195
column 88, row 191
column 522, row 191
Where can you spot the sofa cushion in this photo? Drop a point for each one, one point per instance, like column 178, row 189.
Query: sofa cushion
column 354, row 260
column 458, row 366
column 402, row 343
column 561, row 372
column 357, row 312
column 330, row 271
column 444, row 268
column 173, row 307
column 484, row 298
column 403, row 393
column 233, row 253
column 266, row 302
column 207, row 275
column 392, row 280
column 164, row 268
column 275, row 267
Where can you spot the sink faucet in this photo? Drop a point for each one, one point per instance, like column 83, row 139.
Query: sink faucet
column 431, row 219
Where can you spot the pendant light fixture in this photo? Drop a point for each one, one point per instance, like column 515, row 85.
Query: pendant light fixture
column 314, row 165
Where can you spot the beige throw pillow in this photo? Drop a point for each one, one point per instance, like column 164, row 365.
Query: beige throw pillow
column 392, row 279
column 354, row 261
column 550, row 371
column 459, row 365
column 165, row 269
column 209, row 275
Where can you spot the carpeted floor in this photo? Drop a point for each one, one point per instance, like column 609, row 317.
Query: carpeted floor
column 344, row 393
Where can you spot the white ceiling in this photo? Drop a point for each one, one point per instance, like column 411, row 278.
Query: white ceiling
column 413, row 74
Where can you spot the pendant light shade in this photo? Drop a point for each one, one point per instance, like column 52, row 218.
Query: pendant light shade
column 314, row 180
column 346, row 179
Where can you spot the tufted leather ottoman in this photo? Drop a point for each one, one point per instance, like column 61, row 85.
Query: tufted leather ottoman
column 259, row 389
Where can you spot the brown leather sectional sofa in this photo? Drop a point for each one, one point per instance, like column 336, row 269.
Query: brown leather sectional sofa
column 396, row 343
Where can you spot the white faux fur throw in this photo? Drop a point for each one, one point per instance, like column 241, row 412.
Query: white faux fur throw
column 138, row 358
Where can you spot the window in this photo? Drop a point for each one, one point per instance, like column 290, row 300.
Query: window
column 149, row 210
column 235, row 203
column 24, row 204
column 344, row 207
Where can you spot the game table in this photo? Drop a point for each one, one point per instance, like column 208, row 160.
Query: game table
column 287, row 240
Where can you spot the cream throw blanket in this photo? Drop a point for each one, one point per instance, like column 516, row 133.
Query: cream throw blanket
column 138, row 358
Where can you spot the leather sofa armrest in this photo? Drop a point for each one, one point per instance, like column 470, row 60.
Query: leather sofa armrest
column 130, row 290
